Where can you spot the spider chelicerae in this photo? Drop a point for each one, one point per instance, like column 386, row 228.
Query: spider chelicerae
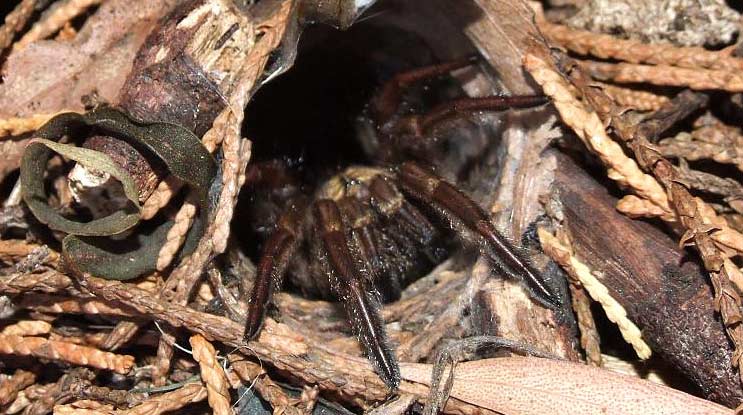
column 363, row 230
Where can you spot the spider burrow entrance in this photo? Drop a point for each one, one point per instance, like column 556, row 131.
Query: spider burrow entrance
column 359, row 225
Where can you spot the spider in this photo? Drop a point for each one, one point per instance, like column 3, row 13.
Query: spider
column 363, row 229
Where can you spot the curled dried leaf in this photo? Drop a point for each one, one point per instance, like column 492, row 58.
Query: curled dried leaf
column 179, row 149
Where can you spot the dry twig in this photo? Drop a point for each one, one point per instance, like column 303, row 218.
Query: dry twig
column 590, row 129
column 66, row 352
column 300, row 357
column 715, row 142
column 47, row 281
column 53, row 304
column 637, row 99
column 212, row 374
column 611, row 47
column 580, row 272
column 698, row 79
column 45, row 398
column 227, row 126
column 165, row 190
column 120, row 335
column 176, row 235
column 589, row 336
column 27, row 328
column 170, row 401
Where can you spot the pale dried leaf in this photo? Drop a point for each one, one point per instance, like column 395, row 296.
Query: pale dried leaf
column 48, row 76
column 534, row 386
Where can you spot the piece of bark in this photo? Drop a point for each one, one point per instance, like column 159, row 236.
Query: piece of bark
column 662, row 288
column 189, row 65
column 514, row 177
column 502, row 31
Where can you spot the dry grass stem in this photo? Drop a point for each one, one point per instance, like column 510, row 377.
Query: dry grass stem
column 66, row 352
column 590, row 129
column 54, row 20
column 10, row 387
column 697, row 79
column 212, row 374
column 563, row 255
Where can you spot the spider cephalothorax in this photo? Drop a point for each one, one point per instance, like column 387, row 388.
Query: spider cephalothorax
column 367, row 227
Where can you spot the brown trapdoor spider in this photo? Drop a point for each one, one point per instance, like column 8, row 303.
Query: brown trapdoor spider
column 364, row 226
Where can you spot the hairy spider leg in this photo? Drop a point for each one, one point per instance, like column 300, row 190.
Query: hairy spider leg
column 405, row 225
column 275, row 257
column 407, row 131
column 425, row 186
column 361, row 305
column 387, row 200
column 419, row 125
column 385, row 103
column 269, row 174
column 360, row 222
